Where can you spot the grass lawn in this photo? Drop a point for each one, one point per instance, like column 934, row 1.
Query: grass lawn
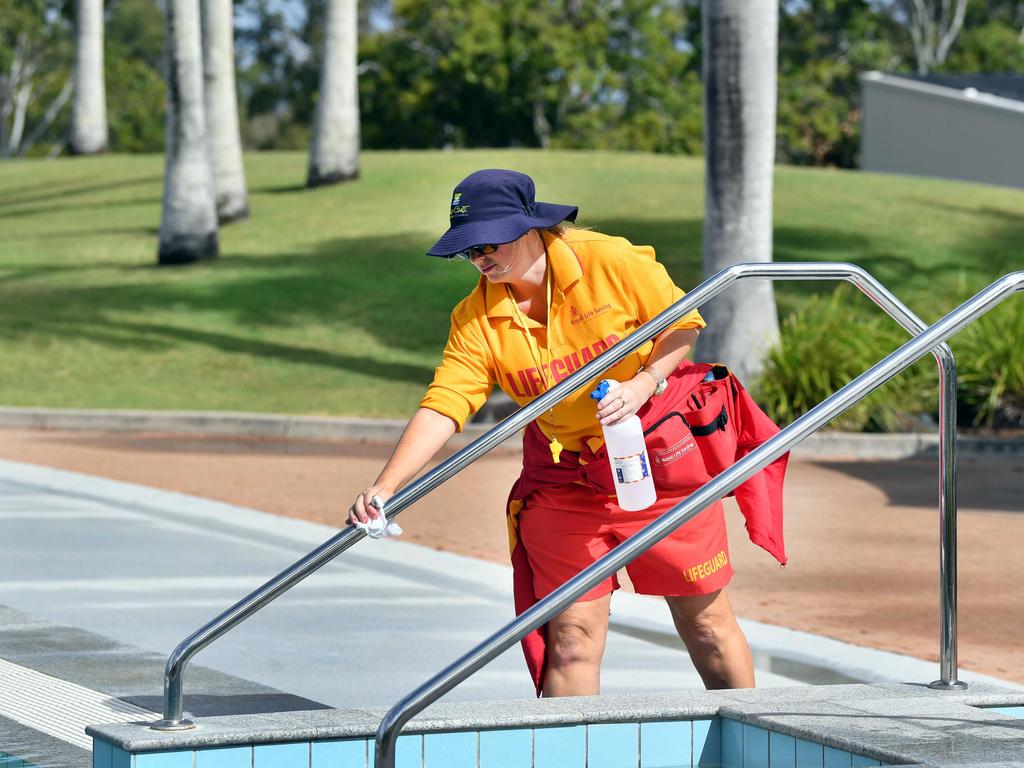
column 322, row 303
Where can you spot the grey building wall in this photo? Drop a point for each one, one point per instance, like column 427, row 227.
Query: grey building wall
column 928, row 130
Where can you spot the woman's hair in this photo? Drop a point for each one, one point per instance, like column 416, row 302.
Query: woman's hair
column 560, row 229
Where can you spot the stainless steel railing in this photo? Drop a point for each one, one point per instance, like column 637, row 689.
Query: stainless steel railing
column 568, row 593
column 174, row 718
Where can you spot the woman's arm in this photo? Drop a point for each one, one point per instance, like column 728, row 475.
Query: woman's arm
column 669, row 350
column 424, row 435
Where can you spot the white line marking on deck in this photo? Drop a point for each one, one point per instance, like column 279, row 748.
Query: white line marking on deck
column 59, row 708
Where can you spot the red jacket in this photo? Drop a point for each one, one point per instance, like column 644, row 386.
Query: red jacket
column 729, row 425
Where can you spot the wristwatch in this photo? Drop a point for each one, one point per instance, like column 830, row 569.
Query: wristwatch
column 656, row 375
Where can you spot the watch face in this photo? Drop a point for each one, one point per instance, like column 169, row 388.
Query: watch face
column 661, row 387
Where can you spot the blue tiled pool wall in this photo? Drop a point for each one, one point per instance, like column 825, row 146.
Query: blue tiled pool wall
column 712, row 743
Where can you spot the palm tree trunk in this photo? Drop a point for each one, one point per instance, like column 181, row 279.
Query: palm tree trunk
column 334, row 153
column 740, row 51
column 188, row 225
column 222, row 111
column 89, row 103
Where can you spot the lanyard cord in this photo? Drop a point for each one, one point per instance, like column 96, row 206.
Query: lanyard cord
column 538, row 357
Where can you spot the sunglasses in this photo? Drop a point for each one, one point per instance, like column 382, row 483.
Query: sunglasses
column 476, row 250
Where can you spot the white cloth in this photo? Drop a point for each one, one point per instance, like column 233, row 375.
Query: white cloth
column 379, row 526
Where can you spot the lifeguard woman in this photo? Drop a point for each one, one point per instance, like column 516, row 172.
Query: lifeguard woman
column 550, row 298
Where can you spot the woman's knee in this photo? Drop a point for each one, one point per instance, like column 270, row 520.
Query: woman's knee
column 706, row 620
column 578, row 635
column 573, row 643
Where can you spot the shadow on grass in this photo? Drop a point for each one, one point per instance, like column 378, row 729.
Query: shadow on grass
column 16, row 211
column 676, row 243
column 972, row 210
column 385, row 287
column 62, row 234
column 29, row 194
column 254, row 305
column 998, row 251
column 282, row 189
column 930, row 286
column 285, row 352
column 11, row 275
column 678, row 246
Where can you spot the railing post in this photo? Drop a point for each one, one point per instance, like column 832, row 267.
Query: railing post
column 947, row 529
column 174, row 718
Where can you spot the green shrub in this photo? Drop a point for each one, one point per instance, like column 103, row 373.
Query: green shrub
column 827, row 343
column 990, row 361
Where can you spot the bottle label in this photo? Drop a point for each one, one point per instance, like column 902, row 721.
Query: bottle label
column 630, row 469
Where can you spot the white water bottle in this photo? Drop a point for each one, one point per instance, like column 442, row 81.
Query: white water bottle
column 627, row 454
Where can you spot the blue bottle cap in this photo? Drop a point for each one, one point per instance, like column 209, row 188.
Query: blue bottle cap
column 602, row 390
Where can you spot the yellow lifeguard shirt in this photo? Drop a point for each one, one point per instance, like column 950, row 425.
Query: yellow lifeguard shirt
column 603, row 288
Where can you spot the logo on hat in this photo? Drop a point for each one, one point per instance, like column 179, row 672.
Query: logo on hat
column 458, row 210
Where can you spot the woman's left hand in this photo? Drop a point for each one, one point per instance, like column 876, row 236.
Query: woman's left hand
column 623, row 401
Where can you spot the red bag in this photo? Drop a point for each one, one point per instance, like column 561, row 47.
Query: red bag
column 676, row 461
column 707, row 409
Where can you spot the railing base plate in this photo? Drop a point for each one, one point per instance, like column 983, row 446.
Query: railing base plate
column 172, row 725
column 956, row 685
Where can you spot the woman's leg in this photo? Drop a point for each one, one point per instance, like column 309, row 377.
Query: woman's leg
column 716, row 643
column 575, row 645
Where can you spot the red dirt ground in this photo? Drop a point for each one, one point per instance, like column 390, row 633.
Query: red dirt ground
column 862, row 536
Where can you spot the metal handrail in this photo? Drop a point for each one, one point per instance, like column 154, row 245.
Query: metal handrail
column 174, row 718
column 541, row 612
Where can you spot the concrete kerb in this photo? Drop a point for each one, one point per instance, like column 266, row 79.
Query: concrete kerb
column 824, row 445
column 218, row 424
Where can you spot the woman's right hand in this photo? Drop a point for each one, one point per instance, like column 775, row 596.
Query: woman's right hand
column 424, row 435
column 363, row 509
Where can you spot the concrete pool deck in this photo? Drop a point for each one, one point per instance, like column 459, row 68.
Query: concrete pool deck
column 146, row 567
column 95, row 561
column 861, row 534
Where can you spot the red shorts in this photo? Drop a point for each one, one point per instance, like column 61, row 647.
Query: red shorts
column 566, row 528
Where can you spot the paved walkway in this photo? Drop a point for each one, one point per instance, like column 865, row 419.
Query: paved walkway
column 142, row 568
column 147, row 567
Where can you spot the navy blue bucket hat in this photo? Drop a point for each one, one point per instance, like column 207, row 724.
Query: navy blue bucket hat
column 495, row 206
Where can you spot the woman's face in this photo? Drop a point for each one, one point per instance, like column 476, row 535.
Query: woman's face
column 511, row 261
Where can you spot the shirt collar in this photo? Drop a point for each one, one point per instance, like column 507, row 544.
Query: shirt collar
column 565, row 266
column 565, row 270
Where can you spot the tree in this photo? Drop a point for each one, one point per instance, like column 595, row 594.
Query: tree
column 739, row 40
column 34, row 82
column 334, row 149
column 222, row 111
column 824, row 45
column 188, row 225
column 993, row 46
column 933, row 26
column 89, row 102
column 563, row 73
column 135, row 62
column 271, row 76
